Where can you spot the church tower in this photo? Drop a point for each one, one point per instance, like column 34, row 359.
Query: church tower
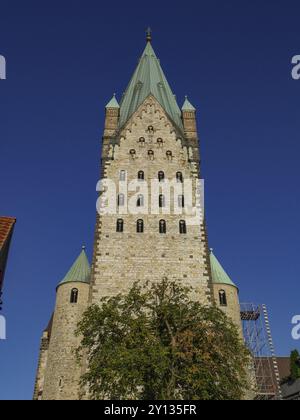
column 151, row 161
column 147, row 137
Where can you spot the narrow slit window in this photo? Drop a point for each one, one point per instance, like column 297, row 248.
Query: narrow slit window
column 179, row 177
column 162, row 227
column 122, row 175
column 121, row 200
column 162, row 201
column 141, row 175
column 181, row 201
column 140, row 201
column 74, row 296
column 120, row 225
column 151, row 154
column 169, row 155
column 222, row 298
column 140, row 226
column 182, row 227
column 161, row 176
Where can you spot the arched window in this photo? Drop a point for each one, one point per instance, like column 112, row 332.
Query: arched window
column 160, row 142
column 140, row 226
column 222, row 298
column 181, row 201
column 162, row 201
column 151, row 154
column 142, row 140
column 132, row 153
column 120, row 225
column 151, row 129
column 169, row 154
column 122, row 175
column 179, row 177
column 140, row 201
column 161, row 176
column 121, row 200
column 74, row 296
column 141, row 176
column 182, row 227
column 162, row 226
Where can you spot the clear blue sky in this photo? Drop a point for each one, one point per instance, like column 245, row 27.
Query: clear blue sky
column 64, row 61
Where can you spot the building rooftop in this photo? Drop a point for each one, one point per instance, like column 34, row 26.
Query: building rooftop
column 80, row 270
column 113, row 103
column 6, row 227
column 219, row 275
column 149, row 79
column 187, row 106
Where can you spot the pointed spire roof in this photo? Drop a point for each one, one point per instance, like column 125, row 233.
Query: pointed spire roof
column 147, row 79
column 219, row 275
column 187, row 106
column 80, row 270
column 113, row 103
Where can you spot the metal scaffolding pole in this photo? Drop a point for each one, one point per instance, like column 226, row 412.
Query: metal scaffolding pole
column 258, row 339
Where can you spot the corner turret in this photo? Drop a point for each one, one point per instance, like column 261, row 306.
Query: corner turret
column 226, row 293
column 61, row 372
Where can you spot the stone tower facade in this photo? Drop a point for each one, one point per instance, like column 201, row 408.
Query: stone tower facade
column 226, row 293
column 58, row 373
column 151, row 161
column 148, row 138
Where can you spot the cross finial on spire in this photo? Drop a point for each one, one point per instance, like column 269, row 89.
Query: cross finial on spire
column 149, row 34
column 83, row 248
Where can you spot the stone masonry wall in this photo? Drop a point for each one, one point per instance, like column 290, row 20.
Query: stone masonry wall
column 122, row 258
column 40, row 377
column 62, row 372
column 232, row 310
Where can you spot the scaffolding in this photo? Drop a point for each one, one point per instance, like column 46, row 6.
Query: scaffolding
column 258, row 339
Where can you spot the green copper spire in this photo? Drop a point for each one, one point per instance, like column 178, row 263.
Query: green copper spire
column 219, row 275
column 113, row 103
column 80, row 270
column 147, row 79
column 187, row 106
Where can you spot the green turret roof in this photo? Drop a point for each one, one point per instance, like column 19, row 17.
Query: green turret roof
column 80, row 270
column 187, row 106
column 147, row 79
column 113, row 103
column 219, row 275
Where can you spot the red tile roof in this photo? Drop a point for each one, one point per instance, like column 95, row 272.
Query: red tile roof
column 6, row 226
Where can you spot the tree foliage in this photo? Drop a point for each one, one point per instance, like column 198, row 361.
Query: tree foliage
column 295, row 365
column 156, row 343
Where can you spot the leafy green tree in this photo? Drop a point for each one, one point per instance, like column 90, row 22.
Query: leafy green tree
column 157, row 343
column 295, row 365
